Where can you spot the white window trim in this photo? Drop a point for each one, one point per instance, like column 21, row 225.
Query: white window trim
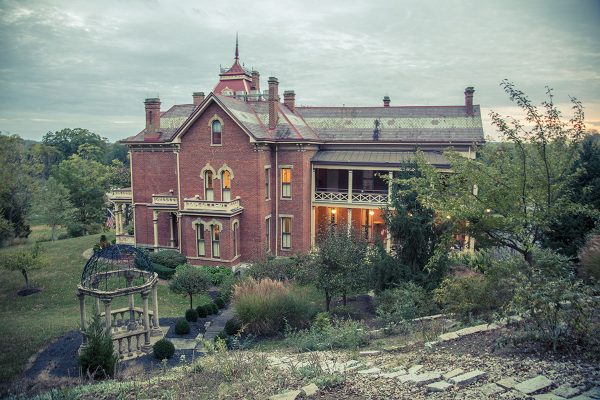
column 291, row 217
column 268, row 168
column 210, row 122
column 268, row 217
column 291, row 168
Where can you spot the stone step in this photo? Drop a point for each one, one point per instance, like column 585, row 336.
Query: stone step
column 439, row 386
column 567, row 391
column 467, row 378
column 453, row 373
column 533, row 385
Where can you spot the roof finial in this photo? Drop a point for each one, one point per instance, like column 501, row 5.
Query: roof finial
column 237, row 54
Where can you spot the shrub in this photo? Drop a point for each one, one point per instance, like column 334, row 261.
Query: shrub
column 182, row 327
column 97, row 357
column 163, row 349
column 221, row 336
column 163, row 272
column 590, row 259
column 201, row 311
column 191, row 315
column 233, row 326
column 226, row 286
column 218, row 274
column 265, row 306
column 406, row 302
column 340, row 334
column 322, row 321
column 93, row 228
column 75, row 229
column 168, row 258
column 189, row 280
column 558, row 311
column 213, row 308
column 220, row 302
column 273, row 268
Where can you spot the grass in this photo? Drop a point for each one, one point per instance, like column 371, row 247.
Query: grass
column 28, row 323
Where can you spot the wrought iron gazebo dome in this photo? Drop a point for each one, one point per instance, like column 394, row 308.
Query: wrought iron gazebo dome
column 111, row 268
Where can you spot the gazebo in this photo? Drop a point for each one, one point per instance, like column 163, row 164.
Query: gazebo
column 122, row 271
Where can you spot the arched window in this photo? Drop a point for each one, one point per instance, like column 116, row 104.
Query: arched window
column 208, row 186
column 215, row 236
column 225, row 186
column 216, row 132
column 200, row 240
column 235, row 239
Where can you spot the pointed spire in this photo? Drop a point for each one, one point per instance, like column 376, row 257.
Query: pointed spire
column 237, row 54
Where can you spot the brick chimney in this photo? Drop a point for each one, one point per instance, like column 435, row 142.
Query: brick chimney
column 152, row 118
column 289, row 99
column 386, row 101
column 469, row 100
column 255, row 80
column 198, row 98
column 273, row 102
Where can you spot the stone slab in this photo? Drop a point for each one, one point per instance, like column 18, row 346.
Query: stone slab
column 467, row 378
column 427, row 377
column 370, row 371
column 184, row 344
column 448, row 336
column 415, row 368
column 508, row 383
column 369, row 352
column 533, row 385
column 567, row 391
column 453, row 373
column 310, row 389
column 548, row 396
column 491, row 389
column 594, row 393
column 440, row 386
column 395, row 374
column 288, row 395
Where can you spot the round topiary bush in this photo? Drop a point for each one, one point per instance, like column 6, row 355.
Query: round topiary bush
column 233, row 326
column 201, row 311
column 214, row 308
column 191, row 315
column 163, row 349
column 208, row 309
column 220, row 302
column 182, row 327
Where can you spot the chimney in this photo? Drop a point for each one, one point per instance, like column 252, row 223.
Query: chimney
column 198, row 98
column 273, row 102
column 152, row 118
column 469, row 100
column 255, row 80
column 289, row 99
column 386, row 101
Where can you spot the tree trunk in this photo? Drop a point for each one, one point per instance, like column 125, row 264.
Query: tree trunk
column 53, row 232
column 344, row 299
column 191, row 306
column 528, row 257
column 327, row 300
column 24, row 272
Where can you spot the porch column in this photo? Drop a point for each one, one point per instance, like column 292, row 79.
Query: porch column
column 81, row 297
column 107, row 315
column 146, row 320
column 388, row 240
column 155, row 324
column 349, row 220
column 390, row 186
column 131, row 304
column 117, row 224
column 312, row 185
column 155, row 222
column 312, row 226
column 172, row 231
column 349, row 186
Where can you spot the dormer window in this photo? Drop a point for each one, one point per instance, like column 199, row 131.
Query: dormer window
column 216, row 132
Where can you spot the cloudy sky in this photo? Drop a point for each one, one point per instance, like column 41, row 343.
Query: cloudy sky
column 90, row 64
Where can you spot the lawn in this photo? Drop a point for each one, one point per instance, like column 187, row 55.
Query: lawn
column 28, row 323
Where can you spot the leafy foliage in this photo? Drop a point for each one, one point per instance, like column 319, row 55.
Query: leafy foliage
column 98, row 358
column 339, row 334
column 272, row 268
column 404, row 303
column 189, row 280
column 218, row 274
column 24, row 260
column 182, row 327
column 163, row 349
column 52, row 205
column 168, row 258
column 191, row 315
column 590, row 259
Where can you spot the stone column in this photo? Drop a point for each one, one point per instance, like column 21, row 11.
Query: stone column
column 81, row 297
column 172, row 231
column 350, row 186
column 132, row 324
column 155, row 222
column 155, row 323
column 107, row 314
column 146, row 321
column 97, row 300
column 118, row 225
column 313, row 185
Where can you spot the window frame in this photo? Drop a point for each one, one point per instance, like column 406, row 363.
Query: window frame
column 209, row 185
column 213, row 133
column 286, row 234
column 268, row 233
column 285, row 185
column 225, row 189
column 268, row 183
column 200, row 232
column 215, row 241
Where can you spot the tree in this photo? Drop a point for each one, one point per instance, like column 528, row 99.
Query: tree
column 189, row 280
column 510, row 194
column 24, row 261
column 87, row 182
column 68, row 141
column 338, row 267
column 98, row 358
column 52, row 205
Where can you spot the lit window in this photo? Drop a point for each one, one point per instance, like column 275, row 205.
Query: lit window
column 286, row 183
column 216, row 132
column 286, row 232
column 225, row 186
column 208, row 186
column 215, row 238
column 200, row 240
column 267, row 183
column 268, row 233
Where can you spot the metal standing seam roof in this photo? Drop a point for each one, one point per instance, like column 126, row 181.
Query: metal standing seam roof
column 379, row 158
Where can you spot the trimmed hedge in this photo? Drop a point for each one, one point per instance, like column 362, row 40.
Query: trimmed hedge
column 182, row 327
column 163, row 349
column 163, row 272
column 201, row 310
column 220, row 302
column 191, row 315
column 168, row 258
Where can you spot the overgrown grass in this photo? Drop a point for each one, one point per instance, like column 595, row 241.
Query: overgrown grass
column 28, row 323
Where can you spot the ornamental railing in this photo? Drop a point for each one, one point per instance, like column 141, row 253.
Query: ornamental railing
column 125, row 239
column 362, row 197
column 369, row 198
column 164, row 200
column 120, row 194
column 331, row 197
column 194, row 204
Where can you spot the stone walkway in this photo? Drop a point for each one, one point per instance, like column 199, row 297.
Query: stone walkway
column 213, row 328
column 470, row 382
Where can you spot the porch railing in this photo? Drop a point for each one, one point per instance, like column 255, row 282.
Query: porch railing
column 372, row 197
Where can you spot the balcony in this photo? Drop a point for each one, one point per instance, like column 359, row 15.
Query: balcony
column 164, row 200
column 378, row 198
column 125, row 239
column 361, row 187
column 125, row 194
column 213, row 207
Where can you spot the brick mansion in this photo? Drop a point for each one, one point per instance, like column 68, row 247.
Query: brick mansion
column 239, row 173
